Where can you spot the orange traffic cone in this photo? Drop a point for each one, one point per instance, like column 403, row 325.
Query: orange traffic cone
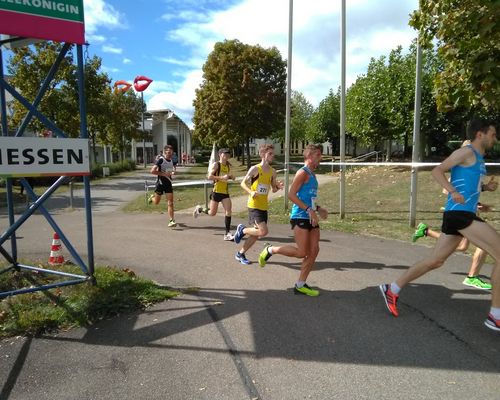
column 56, row 258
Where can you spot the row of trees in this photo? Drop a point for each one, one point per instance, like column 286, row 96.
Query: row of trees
column 243, row 89
column 112, row 116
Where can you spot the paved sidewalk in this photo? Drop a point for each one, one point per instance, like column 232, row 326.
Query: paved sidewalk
column 243, row 334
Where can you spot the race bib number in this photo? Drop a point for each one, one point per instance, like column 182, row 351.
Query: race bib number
column 262, row 188
column 313, row 203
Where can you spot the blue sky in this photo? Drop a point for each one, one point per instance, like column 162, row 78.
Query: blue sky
column 169, row 40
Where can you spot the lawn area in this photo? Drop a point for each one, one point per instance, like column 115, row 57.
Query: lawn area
column 377, row 203
column 117, row 291
column 377, row 200
column 187, row 196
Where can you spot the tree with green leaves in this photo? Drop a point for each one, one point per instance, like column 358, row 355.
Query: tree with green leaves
column 242, row 95
column 122, row 123
column 325, row 121
column 468, row 37
column 112, row 118
column 27, row 68
column 97, row 89
column 367, row 110
column 301, row 111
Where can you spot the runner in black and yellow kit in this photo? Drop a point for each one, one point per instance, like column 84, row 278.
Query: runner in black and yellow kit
column 220, row 174
column 259, row 180
column 164, row 169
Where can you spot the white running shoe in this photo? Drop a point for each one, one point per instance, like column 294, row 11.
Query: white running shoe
column 228, row 237
column 197, row 211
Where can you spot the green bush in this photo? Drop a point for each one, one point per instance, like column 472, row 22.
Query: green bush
column 114, row 168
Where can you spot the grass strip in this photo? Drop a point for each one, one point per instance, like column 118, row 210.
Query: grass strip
column 117, row 291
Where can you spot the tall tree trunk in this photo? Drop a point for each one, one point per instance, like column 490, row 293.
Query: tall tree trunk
column 94, row 150
column 242, row 153
column 406, row 151
column 249, row 160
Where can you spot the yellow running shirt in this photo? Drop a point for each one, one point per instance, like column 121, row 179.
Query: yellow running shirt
column 261, row 185
column 221, row 186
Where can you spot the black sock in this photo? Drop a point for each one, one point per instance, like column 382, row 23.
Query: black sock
column 227, row 221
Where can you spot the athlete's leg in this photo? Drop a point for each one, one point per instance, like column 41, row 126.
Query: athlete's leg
column 488, row 239
column 170, row 204
column 312, row 253
column 227, row 205
column 477, row 262
column 214, row 206
column 432, row 233
column 156, row 199
column 298, row 251
column 445, row 246
column 258, row 230
column 249, row 242
column 463, row 245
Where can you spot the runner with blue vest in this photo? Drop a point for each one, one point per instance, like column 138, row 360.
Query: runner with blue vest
column 460, row 217
column 304, row 220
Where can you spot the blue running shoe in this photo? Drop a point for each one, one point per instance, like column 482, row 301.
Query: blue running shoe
column 241, row 258
column 238, row 235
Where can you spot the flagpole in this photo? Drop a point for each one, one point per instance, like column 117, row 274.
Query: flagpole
column 288, row 101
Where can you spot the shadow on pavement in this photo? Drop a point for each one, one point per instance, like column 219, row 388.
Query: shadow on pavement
column 338, row 327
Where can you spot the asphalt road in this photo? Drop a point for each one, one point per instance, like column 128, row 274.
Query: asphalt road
column 244, row 334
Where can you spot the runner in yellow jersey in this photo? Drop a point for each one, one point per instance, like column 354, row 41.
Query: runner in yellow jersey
column 258, row 182
column 220, row 175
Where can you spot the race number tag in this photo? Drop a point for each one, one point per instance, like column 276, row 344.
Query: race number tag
column 313, row 203
column 262, row 188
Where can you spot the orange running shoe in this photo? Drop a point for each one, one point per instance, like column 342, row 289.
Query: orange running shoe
column 391, row 299
column 492, row 323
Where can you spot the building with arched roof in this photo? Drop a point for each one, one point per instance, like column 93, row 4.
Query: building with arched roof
column 162, row 127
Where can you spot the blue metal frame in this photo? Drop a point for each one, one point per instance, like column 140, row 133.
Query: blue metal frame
column 37, row 202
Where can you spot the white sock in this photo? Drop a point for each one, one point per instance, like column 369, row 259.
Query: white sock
column 395, row 288
column 299, row 284
column 270, row 250
column 495, row 311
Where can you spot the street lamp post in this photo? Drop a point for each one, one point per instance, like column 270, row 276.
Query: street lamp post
column 143, row 132
column 141, row 83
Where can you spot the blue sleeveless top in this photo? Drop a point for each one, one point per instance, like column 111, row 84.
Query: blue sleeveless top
column 307, row 193
column 467, row 182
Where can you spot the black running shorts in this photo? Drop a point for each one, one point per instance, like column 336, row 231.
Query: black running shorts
column 303, row 224
column 454, row 221
column 218, row 197
column 256, row 215
column 163, row 186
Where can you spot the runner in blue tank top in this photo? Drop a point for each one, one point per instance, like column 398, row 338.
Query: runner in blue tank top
column 460, row 219
column 307, row 193
column 304, row 220
column 467, row 181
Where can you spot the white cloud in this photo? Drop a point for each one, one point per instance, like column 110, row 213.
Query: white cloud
column 110, row 69
column 127, row 60
column 177, row 98
column 98, row 14
column 110, row 49
column 373, row 29
column 194, row 63
column 186, row 15
column 95, row 39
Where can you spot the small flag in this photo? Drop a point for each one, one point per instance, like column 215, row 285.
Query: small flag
column 211, row 162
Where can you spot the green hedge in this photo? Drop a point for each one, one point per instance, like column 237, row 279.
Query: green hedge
column 114, row 168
